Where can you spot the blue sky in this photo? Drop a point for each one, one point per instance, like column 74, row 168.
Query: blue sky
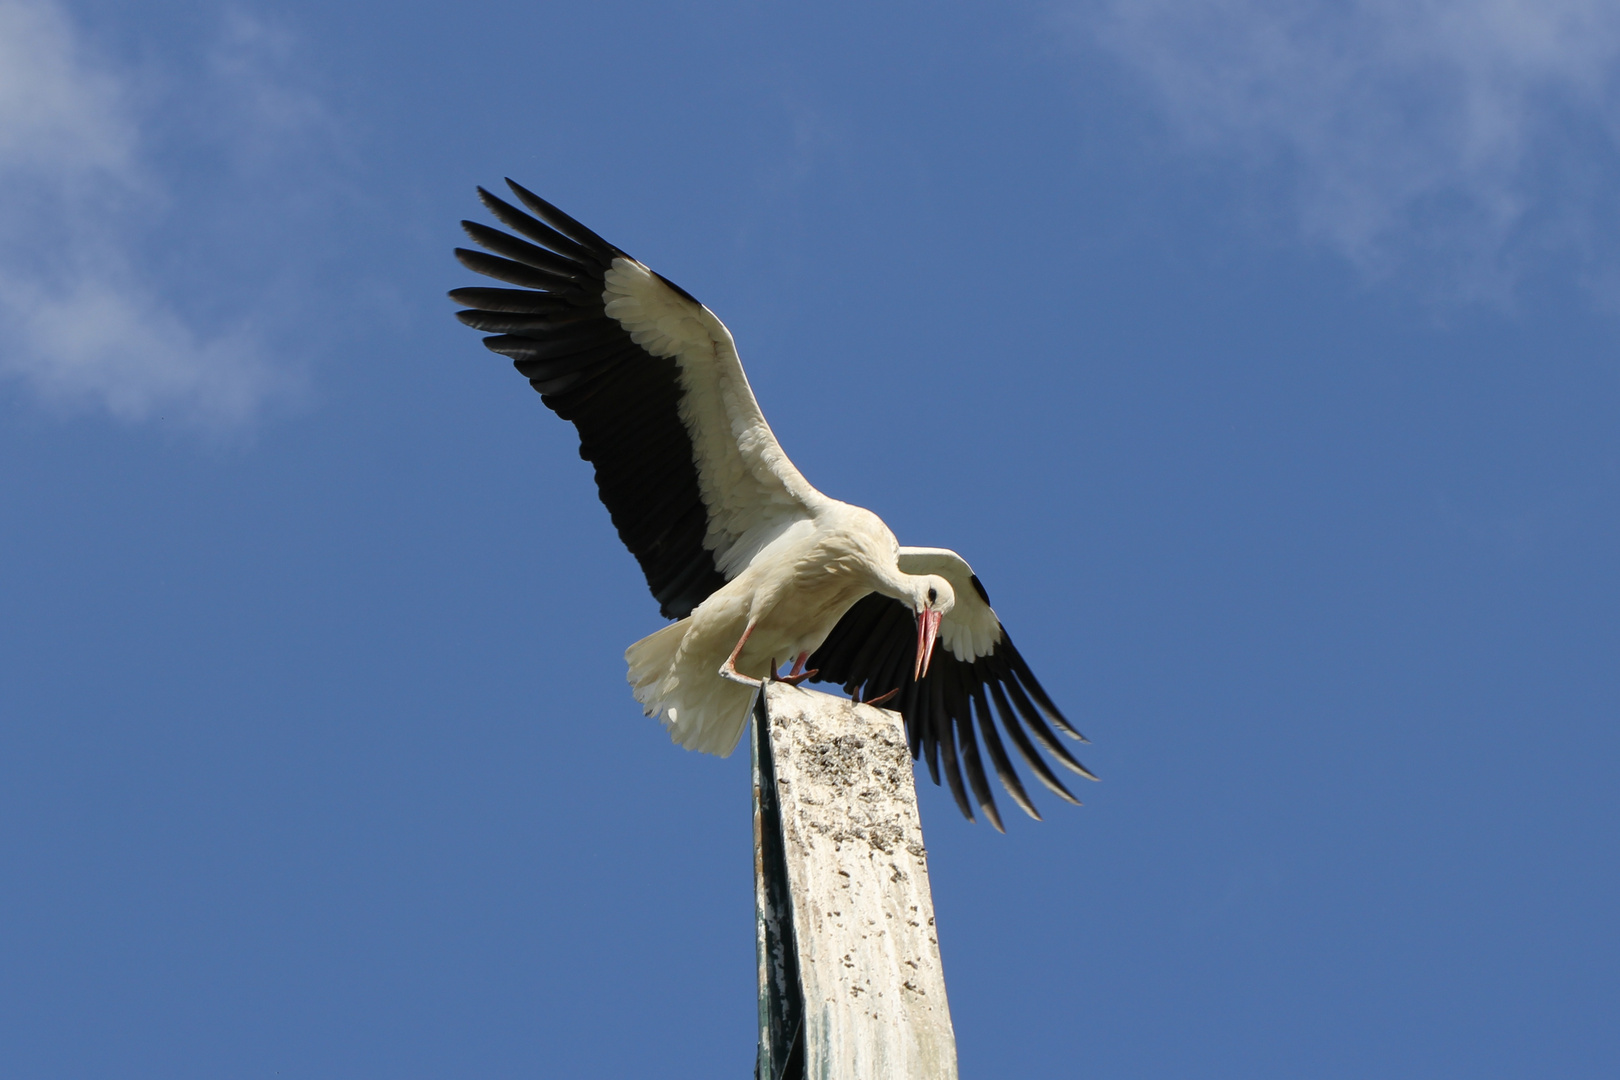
column 1260, row 356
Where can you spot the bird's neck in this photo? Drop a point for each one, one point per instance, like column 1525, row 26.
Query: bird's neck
column 892, row 581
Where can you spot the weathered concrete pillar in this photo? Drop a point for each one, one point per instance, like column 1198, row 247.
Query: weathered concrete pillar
column 851, row 986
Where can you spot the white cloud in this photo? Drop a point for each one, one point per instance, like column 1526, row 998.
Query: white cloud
column 58, row 112
column 103, row 339
column 92, row 315
column 1460, row 138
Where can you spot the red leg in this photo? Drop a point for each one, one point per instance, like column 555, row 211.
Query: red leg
column 881, row 698
column 728, row 670
column 798, row 674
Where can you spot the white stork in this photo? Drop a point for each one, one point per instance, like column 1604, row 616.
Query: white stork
column 752, row 563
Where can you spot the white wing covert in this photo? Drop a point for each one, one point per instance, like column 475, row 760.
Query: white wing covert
column 750, row 488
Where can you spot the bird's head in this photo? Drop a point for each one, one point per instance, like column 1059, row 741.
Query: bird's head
column 931, row 598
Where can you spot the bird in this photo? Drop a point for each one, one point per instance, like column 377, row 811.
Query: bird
column 753, row 564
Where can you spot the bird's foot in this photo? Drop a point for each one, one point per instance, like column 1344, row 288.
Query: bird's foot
column 729, row 672
column 794, row 677
column 881, row 698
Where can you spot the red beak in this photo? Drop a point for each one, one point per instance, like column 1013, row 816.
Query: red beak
column 927, row 631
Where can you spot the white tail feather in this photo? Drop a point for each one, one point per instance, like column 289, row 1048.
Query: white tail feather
column 701, row 710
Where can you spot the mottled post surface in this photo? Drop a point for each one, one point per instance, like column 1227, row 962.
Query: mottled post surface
column 836, row 778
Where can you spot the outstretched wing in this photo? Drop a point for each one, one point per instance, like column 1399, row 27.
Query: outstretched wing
column 691, row 474
column 873, row 648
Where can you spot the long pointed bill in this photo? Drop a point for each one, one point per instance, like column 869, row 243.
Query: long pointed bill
column 927, row 631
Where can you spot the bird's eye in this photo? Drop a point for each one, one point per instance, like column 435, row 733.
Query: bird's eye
column 933, row 594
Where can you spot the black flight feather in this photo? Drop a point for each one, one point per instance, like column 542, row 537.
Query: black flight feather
column 624, row 401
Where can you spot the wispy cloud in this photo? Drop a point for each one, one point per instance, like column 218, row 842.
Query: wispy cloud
column 94, row 313
column 1462, row 139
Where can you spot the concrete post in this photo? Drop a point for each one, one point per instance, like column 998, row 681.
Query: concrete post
column 851, row 986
